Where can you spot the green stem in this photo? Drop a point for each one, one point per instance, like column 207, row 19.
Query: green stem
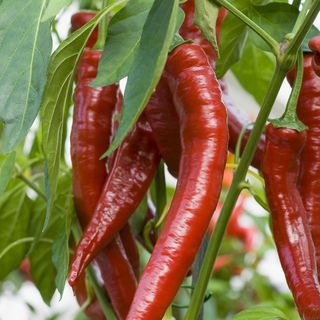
column 304, row 28
column 161, row 193
column 232, row 196
column 20, row 241
column 262, row 33
column 31, row 185
column 102, row 29
column 105, row 306
column 306, row 6
column 197, row 267
column 239, row 141
column 290, row 118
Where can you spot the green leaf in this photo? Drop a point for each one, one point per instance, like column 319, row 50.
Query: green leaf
column 54, row 8
column 261, row 313
column 57, row 95
column 60, row 248
column 233, row 38
column 48, row 266
column 205, row 17
column 25, row 48
column 275, row 18
column 123, row 39
column 248, row 71
column 6, row 169
column 314, row 31
column 148, row 64
column 14, row 225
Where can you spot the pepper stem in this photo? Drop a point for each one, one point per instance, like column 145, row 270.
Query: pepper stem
column 102, row 29
column 290, row 119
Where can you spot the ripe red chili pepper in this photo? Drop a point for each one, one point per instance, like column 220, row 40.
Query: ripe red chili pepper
column 130, row 246
column 290, row 227
column 135, row 165
column 164, row 122
column 314, row 45
column 81, row 18
column 204, row 140
column 236, row 120
column 308, row 111
column 189, row 30
column 93, row 108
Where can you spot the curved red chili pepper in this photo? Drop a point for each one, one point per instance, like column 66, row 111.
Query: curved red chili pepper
column 164, row 122
column 314, row 45
column 308, row 111
column 93, row 109
column 236, row 120
column 81, row 18
column 290, row 227
column 135, row 165
column 204, row 140
column 130, row 246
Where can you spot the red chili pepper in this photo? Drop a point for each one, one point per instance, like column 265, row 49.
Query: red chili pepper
column 290, row 227
column 308, row 111
column 79, row 19
column 314, row 45
column 189, row 30
column 93, row 109
column 130, row 246
column 164, row 122
column 135, row 165
column 236, row 120
column 204, row 140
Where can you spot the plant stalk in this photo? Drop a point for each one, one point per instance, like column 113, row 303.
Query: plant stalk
column 232, row 196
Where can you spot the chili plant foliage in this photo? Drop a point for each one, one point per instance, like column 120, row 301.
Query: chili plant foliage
column 137, row 91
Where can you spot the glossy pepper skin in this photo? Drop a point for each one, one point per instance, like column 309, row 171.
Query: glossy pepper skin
column 189, row 30
column 204, row 140
column 163, row 119
column 81, row 18
column 314, row 45
column 290, row 227
column 236, row 119
column 308, row 110
column 91, row 129
column 134, row 167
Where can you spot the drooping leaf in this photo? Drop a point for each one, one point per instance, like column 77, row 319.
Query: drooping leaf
column 14, row 225
column 54, row 8
column 148, row 64
column 123, row 38
column 60, row 248
column 48, row 265
column 254, row 71
column 232, row 41
column 25, row 48
column 57, row 96
column 261, row 313
column 205, row 17
column 6, row 169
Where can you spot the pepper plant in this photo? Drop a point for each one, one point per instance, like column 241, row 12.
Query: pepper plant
column 86, row 221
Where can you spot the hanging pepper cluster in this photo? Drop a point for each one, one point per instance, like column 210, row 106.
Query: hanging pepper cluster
column 190, row 122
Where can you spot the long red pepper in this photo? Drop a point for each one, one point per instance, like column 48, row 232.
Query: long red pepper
column 134, row 166
column 290, row 227
column 164, row 122
column 308, row 111
column 236, row 119
column 314, row 45
column 93, row 109
column 204, row 140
